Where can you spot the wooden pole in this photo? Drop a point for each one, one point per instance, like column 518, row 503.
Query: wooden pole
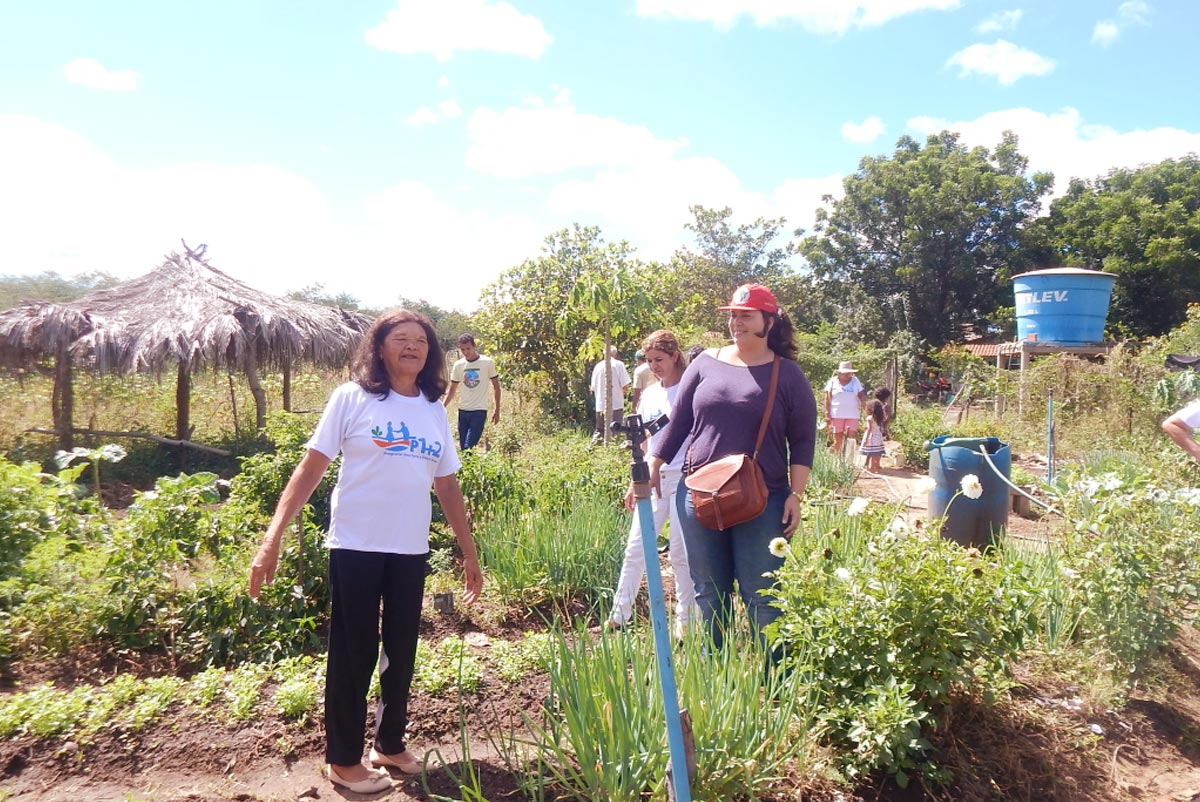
column 62, row 398
column 183, row 401
column 287, row 386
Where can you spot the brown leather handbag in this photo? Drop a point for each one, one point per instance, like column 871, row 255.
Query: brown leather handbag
column 732, row 490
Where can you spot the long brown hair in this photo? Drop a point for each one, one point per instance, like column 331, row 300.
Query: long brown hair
column 368, row 371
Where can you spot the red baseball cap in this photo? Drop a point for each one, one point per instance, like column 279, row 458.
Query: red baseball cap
column 753, row 298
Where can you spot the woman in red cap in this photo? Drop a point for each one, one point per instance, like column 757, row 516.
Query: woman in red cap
column 721, row 402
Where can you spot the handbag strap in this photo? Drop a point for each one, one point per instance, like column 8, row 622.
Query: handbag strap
column 762, row 427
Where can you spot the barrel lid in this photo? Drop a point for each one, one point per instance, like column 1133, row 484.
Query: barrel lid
column 1064, row 271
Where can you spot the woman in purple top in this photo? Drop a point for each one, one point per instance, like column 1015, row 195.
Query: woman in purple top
column 721, row 401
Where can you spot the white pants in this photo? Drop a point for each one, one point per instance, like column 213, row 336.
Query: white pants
column 634, row 568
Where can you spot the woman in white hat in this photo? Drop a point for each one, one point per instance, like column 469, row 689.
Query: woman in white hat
column 844, row 398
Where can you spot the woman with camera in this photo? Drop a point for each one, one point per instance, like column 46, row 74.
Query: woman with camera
column 721, row 406
column 392, row 432
column 666, row 363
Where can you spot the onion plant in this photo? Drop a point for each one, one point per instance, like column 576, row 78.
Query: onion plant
column 603, row 735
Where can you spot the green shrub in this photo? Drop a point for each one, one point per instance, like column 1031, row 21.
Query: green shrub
column 887, row 627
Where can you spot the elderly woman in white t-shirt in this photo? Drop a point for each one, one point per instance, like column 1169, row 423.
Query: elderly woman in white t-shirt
column 666, row 363
column 392, row 432
column 844, row 399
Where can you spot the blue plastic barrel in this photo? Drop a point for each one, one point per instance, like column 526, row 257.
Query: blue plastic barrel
column 968, row 521
column 1063, row 305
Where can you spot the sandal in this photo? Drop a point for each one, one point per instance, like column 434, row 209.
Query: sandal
column 375, row 782
column 404, row 761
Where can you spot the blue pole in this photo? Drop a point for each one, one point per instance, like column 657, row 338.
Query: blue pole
column 658, row 613
column 1049, row 437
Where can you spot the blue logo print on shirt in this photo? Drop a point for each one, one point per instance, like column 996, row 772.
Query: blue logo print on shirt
column 404, row 442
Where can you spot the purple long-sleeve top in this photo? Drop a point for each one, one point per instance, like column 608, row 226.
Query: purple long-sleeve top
column 721, row 406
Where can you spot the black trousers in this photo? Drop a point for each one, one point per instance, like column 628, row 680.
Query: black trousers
column 359, row 582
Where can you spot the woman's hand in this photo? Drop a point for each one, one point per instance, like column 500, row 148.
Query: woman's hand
column 791, row 514
column 262, row 567
column 474, row 579
column 655, row 477
column 629, row 499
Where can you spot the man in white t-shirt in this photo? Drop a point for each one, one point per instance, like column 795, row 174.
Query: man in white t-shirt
column 617, row 382
column 642, row 378
column 472, row 373
column 844, row 399
column 1179, row 427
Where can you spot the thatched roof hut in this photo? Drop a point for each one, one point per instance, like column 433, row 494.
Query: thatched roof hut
column 185, row 314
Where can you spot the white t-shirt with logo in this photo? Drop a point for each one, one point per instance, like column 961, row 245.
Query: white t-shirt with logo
column 843, row 398
column 392, row 449
column 655, row 402
column 474, row 381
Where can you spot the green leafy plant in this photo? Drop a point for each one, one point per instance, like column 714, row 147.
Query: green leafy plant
column 889, row 627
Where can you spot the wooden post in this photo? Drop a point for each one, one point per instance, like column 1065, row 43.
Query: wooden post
column 256, row 389
column 62, row 398
column 287, row 385
column 183, row 400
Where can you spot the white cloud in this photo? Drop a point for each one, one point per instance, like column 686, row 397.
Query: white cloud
column 1003, row 60
column 819, row 16
column 444, row 81
column 1132, row 12
column 868, row 130
column 450, row 109
column 541, row 139
column 422, row 116
column 69, row 207
column 1135, row 12
column 94, row 75
column 1000, row 21
column 1064, row 144
column 443, row 27
column 1105, row 33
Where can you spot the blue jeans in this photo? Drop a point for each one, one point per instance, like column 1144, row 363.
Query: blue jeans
column 470, row 427
column 719, row 556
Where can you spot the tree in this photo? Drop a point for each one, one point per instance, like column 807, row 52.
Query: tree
column 610, row 300
column 50, row 286
column 1143, row 225
column 520, row 315
column 930, row 233
column 726, row 257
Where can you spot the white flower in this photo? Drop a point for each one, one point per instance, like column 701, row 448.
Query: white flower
column 778, row 547
column 1110, row 481
column 843, row 574
column 898, row 528
column 1069, row 573
column 925, row 484
column 858, row 506
column 1087, row 487
column 971, row 487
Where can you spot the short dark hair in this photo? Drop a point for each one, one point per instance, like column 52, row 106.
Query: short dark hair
column 466, row 339
column 367, row 369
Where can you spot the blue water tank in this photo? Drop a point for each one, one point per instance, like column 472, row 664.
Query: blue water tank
column 969, row 521
column 1063, row 305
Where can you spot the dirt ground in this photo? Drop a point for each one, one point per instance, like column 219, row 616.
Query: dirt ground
column 1043, row 745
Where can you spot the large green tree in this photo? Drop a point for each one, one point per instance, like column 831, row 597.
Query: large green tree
column 522, row 317
column 725, row 256
column 931, row 233
column 1143, row 225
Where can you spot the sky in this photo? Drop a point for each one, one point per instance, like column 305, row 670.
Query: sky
column 419, row 148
